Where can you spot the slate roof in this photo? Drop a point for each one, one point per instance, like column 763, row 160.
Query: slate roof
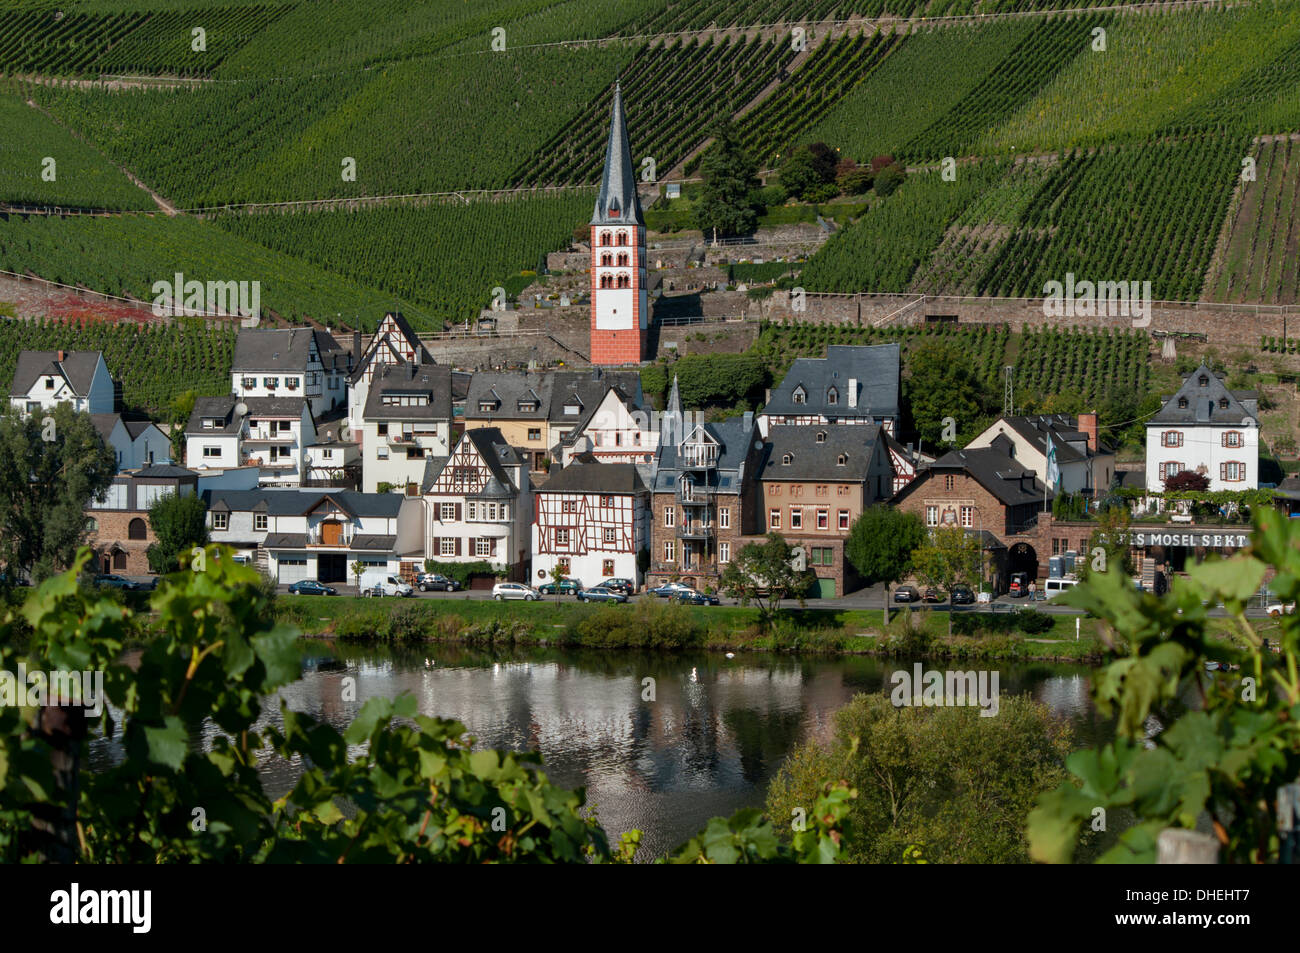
column 617, row 202
column 590, row 388
column 1064, row 430
column 1009, row 482
column 222, row 408
column 296, row 502
column 875, row 367
column 595, row 478
column 274, row 406
column 505, row 389
column 811, row 460
column 1203, row 403
column 734, row 437
column 285, row 350
column 429, row 380
column 496, row 455
column 329, row 426
column 77, row 368
column 105, row 424
column 164, row 471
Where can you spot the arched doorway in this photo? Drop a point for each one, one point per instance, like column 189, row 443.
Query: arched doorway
column 1023, row 558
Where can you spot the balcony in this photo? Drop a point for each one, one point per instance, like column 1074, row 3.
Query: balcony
column 695, row 529
column 399, row 439
column 698, row 456
column 690, row 493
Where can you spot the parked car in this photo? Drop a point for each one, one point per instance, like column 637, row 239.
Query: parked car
column 149, row 585
column 431, row 581
column 566, row 587
column 1276, row 609
column 1019, row 585
column 312, row 587
column 933, row 595
column 108, row 580
column 670, row 589
column 962, row 596
column 619, row 584
column 600, row 594
column 514, row 590
column 381, row 583
column 906, row 594
column 694, row 597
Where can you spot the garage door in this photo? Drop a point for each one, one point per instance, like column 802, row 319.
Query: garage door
column 826, row 588
column 293, row 570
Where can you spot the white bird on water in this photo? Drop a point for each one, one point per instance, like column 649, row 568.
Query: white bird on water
column 731, row 655
column 694, row 677
column 428, row 663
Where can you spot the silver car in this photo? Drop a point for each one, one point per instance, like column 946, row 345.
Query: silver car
column 514, row 590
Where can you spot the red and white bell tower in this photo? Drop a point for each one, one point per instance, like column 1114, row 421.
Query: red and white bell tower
column 620, row 308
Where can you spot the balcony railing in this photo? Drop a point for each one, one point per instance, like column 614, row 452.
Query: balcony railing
column 699, row 456
column 695, row 529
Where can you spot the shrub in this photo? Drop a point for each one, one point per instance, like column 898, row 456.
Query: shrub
column 1033, row 622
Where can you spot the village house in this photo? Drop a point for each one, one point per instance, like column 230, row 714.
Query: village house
column 592, row 521
column 292, row 534
column 299, row 362
column 44, row 379
column 394, row 342
column 576, row 395
column 616, row 430
column 518, row 405
column 479, row 504
column 852, row 384
column 1207, row 429
column 704, row 499
column 1084, row 465
column 120, row 534
column 135, row 443
column 270, row 433
column 407, row 420
column 815, row 483
column 992, row 495
column 332, row 459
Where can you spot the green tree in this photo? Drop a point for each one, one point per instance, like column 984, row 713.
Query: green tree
column 887, row 180
column 941, row 383
column 880, row 546
column 182, row 406
column 942, row 777
column 1221, row 762
column 799, row 173
column 358, row 570
column 764, row 573
column 730, row 175
column 179, row 523
column 949, row 556
column 51, row 465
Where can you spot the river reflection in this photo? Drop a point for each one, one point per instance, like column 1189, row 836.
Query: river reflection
column 716, row 732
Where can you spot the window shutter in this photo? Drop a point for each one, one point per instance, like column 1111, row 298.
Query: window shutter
column 1223, row 471
column 457, row 512
column 458, row 546
column 493, row 547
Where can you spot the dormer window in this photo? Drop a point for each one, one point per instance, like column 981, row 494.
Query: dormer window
column 1182, row 403
column 787, row 459
column 486, row 406
column 1203, row 381
column 1223, row 403
column 832, row 396
column 821, row 436
column 800, row 396
column 613, row 208
column 842, row 459
column 572, row 409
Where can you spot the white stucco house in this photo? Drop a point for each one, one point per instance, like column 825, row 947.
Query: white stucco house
column 1207, row 429
column 44, row 379
column 271, row 433
column 406, row 422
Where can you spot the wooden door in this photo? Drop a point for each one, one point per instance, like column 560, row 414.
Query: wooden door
column 331, row 532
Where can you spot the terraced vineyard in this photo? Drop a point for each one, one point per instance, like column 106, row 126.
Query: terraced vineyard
column 154, row 362
column 831, row 72
column 1093, row 364
column 126, row 255
column 672, row 93
column 1261, row 258
column 405, row 250
column 35, row 147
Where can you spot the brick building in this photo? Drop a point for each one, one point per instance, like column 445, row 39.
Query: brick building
column 120, row 533
column 987, row 492
column 814, row 484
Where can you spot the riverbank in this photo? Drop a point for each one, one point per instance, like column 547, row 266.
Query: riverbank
column 655, row 624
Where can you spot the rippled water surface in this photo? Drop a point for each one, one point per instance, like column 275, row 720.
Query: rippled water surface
column 716, row 733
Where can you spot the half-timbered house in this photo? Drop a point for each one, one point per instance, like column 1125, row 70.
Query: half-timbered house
column 592, row 520
column 479, row 504
column 394, row 342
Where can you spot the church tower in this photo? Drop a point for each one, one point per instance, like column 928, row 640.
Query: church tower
column 620, row 309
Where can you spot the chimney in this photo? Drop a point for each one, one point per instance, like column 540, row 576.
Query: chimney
column 356, row 345
column 1088, row 427
column 61, row 353
column 853, row 392
column 749, row 421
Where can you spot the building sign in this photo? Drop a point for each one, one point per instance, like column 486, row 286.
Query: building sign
column 1208, row 540
column 948, row 516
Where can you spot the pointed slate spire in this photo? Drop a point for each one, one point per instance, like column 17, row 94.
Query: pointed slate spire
column 617, row 203
column 670, row 423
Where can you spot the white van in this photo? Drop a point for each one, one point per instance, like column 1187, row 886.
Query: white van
column 380, row 582
column 1054, row 587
